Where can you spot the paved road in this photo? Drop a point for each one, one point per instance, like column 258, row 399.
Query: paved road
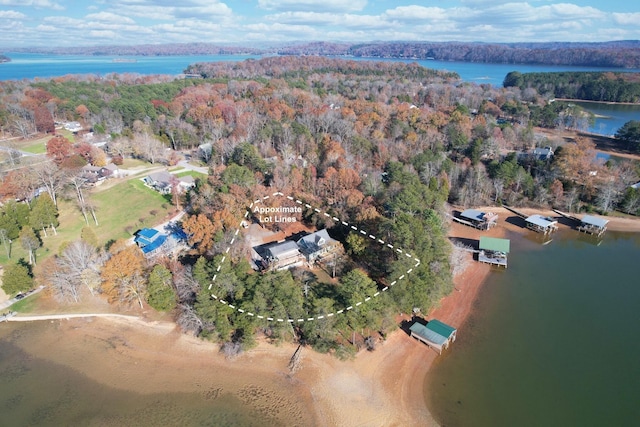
column 11, row 301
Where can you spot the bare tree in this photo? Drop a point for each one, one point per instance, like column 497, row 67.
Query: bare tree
column 78, row 183
column 608, row 195
column 188, row 320
column 51, row 177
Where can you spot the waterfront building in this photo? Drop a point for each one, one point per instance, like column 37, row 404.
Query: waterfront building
column 494, row 251
column 435, row 334
column 593, row 225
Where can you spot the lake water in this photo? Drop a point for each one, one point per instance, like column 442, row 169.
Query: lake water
column 30, row 66
column 610, row 117
column 37, row 392
column 553, row 340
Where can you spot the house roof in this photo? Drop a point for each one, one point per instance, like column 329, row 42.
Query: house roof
column 155, row 244
column 315, row 241
column 146, row 236
column 112, row 167
column 476, row 215
column 546, row 151
column 435, row 331
column 495, row 244
column 541, row 221
column 595, row 221
column 161, row 177
column 285, row 249
column 148, row 233
column 187, row 179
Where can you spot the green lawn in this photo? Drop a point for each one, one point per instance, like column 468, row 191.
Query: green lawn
column 121, row 210
column 39, row 146
column 127, row 207
column 26, row 305
column 191, row 173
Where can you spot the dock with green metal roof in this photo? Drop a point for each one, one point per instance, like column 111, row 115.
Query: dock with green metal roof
column 494, row 251
column 435, row 334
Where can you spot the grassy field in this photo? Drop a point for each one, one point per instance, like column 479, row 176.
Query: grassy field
column 39, row 145
column 121, row 210
column 26, row 305
column 191, row 173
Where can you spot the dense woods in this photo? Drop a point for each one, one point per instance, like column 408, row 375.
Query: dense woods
column 383, row 146
column 591, row 86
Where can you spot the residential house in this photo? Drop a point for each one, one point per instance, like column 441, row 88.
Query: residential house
column 283, row 255
column 159, row 181
column 316, row 245
column 186, row 182
column 150, row 241
column 112, row 170
column 543, row 153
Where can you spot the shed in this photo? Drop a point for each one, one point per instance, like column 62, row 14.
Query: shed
column 494, row 251
column 435, row 334
column 478, row 219
column 593, row 225
column 541, row 224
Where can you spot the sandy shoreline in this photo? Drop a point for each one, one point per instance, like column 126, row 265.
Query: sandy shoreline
column 384, row 387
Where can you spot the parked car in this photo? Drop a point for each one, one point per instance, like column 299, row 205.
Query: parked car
column 20, row 296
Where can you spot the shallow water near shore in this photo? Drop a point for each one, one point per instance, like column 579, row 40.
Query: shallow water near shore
column 553, row 340
column 34, row 391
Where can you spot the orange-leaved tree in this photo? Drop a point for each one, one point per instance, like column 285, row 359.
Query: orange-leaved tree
column 123, row 275
column 201, row 232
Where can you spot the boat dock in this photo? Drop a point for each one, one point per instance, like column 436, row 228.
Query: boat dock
column 494, row 251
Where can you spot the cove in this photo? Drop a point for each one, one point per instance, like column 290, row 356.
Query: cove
column 552, row 341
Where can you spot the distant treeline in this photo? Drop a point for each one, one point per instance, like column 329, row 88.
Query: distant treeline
column 624, row 53
column 608, row 54
column 592, row 86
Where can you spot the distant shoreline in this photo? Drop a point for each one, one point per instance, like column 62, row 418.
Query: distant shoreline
column 597, row 102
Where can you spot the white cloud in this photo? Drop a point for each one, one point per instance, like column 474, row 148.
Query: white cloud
column 313, row 5
column 417, row 13
column 11, row 14
column 103, row 34
column 627, row 18
column 110, row 17
column 41, row 4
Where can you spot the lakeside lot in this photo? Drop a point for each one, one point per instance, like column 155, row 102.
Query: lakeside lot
column 122, row 209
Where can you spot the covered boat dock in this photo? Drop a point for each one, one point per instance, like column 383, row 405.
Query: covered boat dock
column 593, row 225
column 435, row 334
column 541, row 224
column 494, row 251
column 477, row 219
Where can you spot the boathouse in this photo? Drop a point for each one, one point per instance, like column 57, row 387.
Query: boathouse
column 494, row 251
column 478, row 219
column 593, row 225
column 541, row 224
column 435, row 334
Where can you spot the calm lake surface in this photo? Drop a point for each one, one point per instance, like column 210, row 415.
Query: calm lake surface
column 553, row 341
column 610, row 117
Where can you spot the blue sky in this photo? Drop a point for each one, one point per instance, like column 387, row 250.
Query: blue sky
column 28, row 23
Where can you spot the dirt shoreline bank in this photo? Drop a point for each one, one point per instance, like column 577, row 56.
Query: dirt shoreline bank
column 384, row 387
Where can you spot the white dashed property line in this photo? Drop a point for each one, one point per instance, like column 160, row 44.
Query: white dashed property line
column 318, row 317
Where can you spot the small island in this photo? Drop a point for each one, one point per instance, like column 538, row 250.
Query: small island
column 4, row 58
